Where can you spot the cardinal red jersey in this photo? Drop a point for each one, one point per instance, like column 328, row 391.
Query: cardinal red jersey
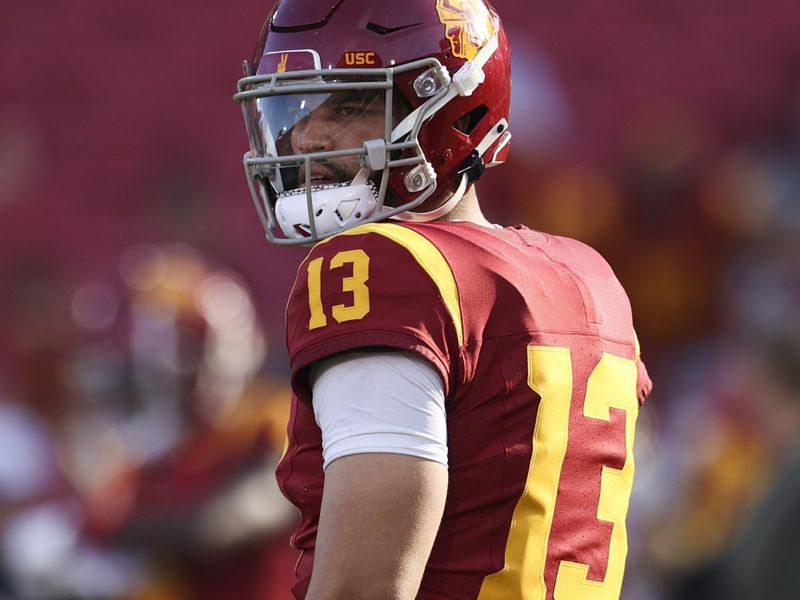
column 533, row 338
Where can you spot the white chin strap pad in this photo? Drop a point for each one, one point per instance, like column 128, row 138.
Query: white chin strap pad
column 334, row 209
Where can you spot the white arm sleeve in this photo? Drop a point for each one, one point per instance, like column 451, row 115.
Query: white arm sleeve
column 389, row 402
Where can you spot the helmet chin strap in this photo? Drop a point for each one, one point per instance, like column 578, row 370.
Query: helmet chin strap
column 436, row 213
column 468, row 176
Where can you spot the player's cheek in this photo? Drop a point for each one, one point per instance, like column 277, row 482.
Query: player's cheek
column 369, row 128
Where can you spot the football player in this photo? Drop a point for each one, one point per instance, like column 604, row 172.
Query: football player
column 465, row 394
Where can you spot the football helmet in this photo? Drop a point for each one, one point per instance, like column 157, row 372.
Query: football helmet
column 362, row 110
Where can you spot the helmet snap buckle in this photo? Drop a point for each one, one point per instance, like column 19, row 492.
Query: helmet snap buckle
column 431, row 82
column 420, row 177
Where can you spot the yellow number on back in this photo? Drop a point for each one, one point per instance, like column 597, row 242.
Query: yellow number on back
column 525, row 574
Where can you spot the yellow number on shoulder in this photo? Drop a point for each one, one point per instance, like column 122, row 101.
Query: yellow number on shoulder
column 318, row 318
column 356, row 284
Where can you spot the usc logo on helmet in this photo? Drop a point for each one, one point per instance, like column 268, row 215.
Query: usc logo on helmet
column 360, row 59
column 468, row 25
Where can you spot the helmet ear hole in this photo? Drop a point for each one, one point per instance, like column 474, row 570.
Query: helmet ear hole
column 467, row 123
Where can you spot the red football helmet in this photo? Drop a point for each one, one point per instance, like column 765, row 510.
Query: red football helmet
column 361, row 110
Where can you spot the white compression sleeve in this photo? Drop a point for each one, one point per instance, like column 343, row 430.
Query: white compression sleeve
column 389, row 402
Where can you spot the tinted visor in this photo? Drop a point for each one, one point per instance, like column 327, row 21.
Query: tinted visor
column 291, row 125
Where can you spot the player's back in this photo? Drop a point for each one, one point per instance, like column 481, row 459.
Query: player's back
column 534, row 460
column 533, row 337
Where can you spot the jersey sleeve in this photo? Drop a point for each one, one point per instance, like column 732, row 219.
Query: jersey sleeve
column 376, row 286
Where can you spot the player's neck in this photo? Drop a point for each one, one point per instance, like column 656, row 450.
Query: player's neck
column 468, row 209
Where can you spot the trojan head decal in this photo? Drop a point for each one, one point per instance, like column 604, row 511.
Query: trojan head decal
column 468, row 25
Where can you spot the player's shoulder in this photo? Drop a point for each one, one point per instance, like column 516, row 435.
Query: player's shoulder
column 382, row 267
column 578, row 256
column 376, row 285
column 379, row 236
column 396, row 248
column 577, row 247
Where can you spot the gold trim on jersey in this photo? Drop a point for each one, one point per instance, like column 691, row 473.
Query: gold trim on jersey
column 428, row 256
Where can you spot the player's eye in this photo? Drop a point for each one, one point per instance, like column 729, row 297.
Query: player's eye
column 350, row 110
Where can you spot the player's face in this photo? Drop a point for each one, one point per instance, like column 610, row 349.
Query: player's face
column 301, row 124
column 344, row 120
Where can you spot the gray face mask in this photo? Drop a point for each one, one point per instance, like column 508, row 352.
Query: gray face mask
column 324, row 142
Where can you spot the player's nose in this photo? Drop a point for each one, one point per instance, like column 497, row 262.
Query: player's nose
column 312, row 134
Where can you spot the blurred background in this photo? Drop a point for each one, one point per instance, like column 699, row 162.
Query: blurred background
column 143, row 380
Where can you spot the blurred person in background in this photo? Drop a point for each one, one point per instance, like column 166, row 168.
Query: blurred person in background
column 42, row 548
column 718, row 440
column 762, row 562
column 34, row 404
column 174, row 376
column 195, row 429
column 444, row 357
column 733, row 533
column 139, row 461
